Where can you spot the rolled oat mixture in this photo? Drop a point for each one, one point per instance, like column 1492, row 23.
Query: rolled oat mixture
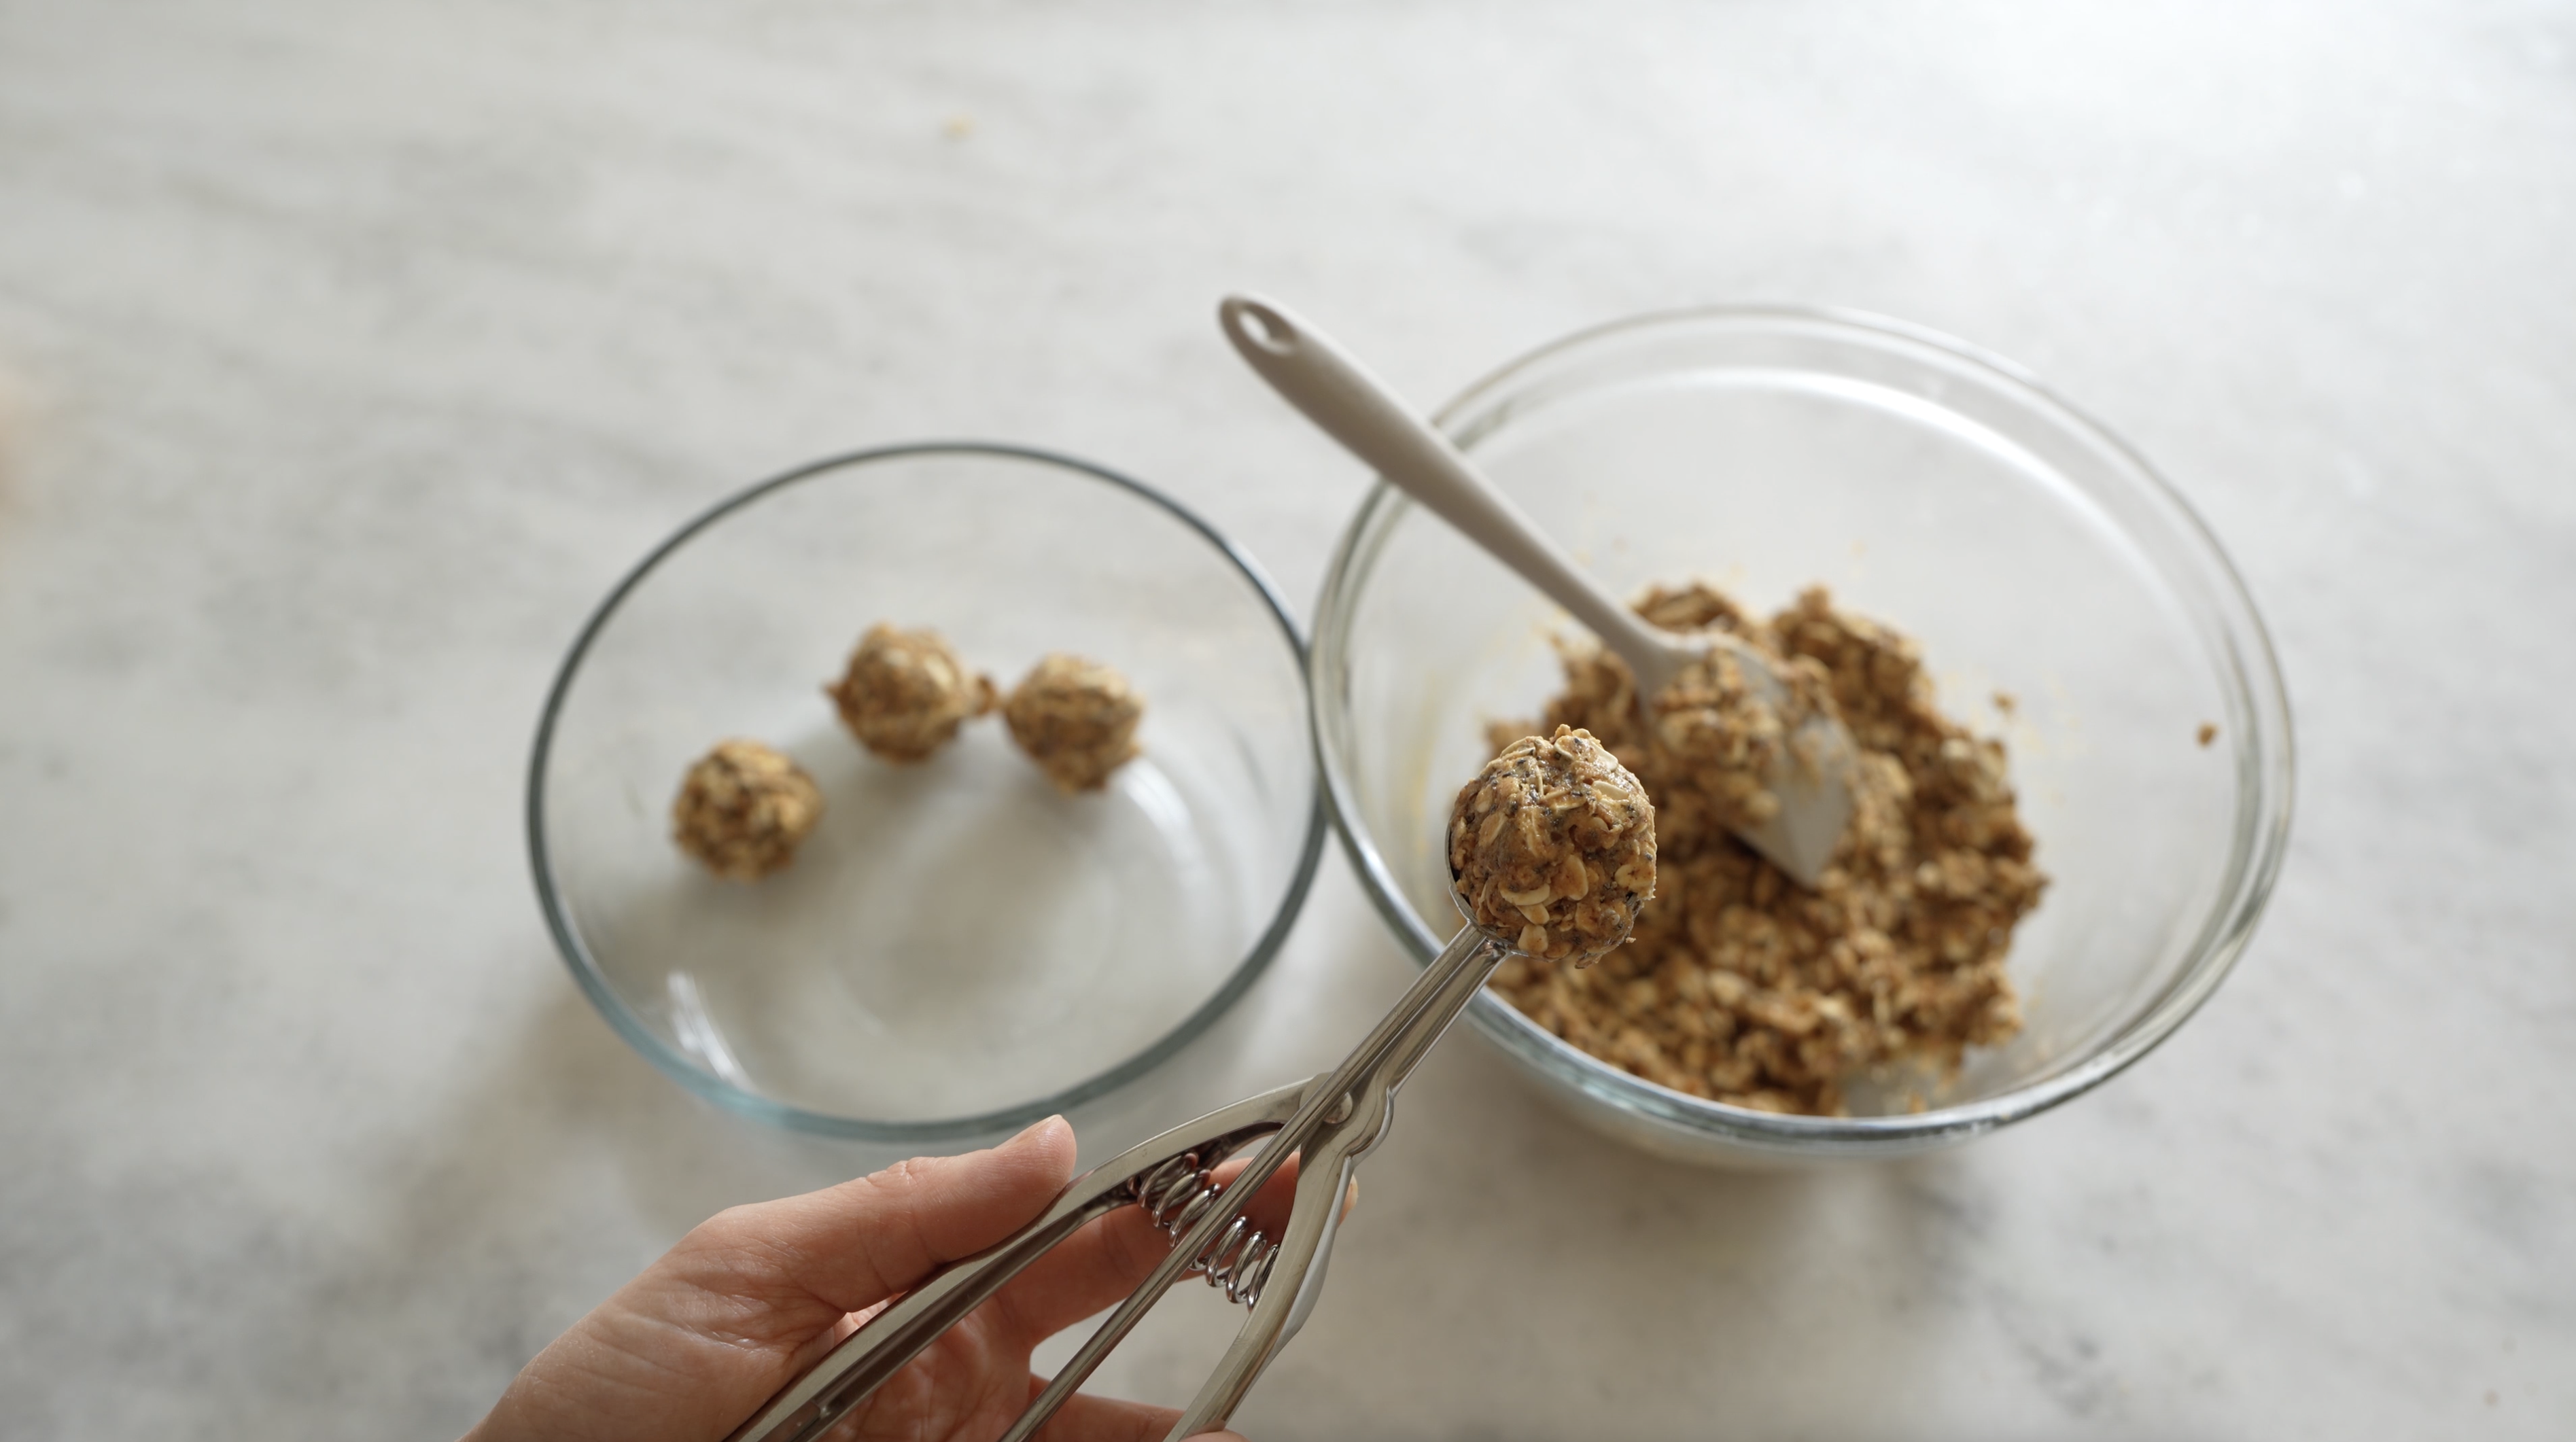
column 1737, row 984
column 1715, row 733
column 1553, row 847
column 1076, row 719
column 905, row 693
column 743, row 808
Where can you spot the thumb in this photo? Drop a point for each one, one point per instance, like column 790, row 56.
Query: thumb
column 856, row 1244
column 690, row 1347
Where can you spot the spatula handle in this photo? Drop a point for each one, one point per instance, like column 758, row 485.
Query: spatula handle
column 1356, row 409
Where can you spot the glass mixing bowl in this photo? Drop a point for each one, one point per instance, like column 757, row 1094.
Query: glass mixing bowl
column 1940, row 490
column 958, row 948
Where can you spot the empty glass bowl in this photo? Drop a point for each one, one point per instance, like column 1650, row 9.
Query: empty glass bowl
column 957, row 948
column 2032, row 554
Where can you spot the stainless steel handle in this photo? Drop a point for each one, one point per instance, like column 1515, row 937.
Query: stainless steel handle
column 1330, row 1121
column 1324, row 1175
column 876, row 1351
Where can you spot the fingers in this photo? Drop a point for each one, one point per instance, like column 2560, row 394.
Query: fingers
column 1085, row 1418
column 856, row 1244
column 1097, row 1266
column 692, row 1345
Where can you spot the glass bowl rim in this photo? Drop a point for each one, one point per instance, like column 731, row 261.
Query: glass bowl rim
column 2267, row 759
column 622, row 1018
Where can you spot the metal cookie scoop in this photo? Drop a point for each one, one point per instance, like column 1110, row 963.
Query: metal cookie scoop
column 1811, row 778
column 1328, row 1123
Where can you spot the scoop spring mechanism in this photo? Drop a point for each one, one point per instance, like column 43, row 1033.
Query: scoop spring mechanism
column 1178, row 1193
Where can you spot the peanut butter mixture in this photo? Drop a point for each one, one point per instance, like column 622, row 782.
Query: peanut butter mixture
column 1737, row 984
column 1552, row 847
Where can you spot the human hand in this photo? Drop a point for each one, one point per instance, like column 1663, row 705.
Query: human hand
column 747, row 1301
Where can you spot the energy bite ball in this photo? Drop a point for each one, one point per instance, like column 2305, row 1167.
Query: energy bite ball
column 742, row 810
column 905, row 693
column 1554, row 846
column 1076, row 719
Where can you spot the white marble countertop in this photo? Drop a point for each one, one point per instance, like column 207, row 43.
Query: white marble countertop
column 349, row 351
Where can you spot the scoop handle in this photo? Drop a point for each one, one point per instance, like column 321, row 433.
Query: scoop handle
column 1319, row 378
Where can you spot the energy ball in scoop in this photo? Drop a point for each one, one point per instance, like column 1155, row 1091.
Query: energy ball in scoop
column 905, row 693
column 1076, row 719
column 742, row 810
column 1553, row 847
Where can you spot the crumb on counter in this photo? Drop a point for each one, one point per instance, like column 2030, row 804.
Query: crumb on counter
column 1076, row 719
column 2208, row 732
column 1552, row 847
column 742, row 810
column 905, row 693
column 1740, row 986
